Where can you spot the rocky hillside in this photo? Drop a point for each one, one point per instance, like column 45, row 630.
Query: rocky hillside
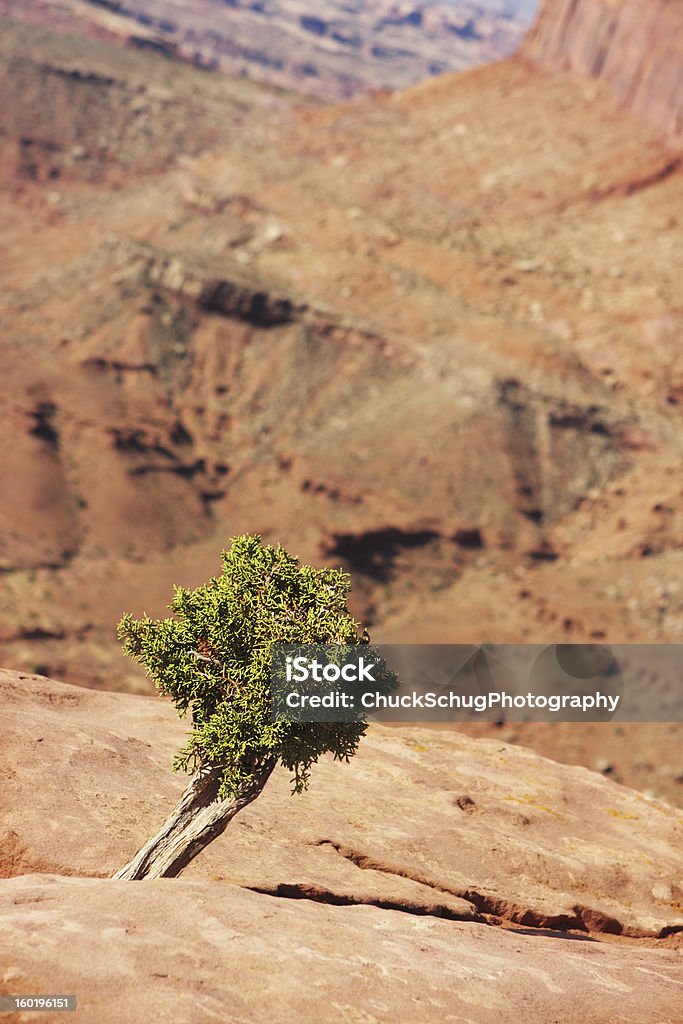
column 432, row 336
column 433, row 875
column 187, row 347
column 78, row 109
column 337, row 50
column 633, row 46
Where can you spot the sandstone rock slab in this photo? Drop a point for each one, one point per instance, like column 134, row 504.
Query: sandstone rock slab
column 430, row 822
column 187, row 951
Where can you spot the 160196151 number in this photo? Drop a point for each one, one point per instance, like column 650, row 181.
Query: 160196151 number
column 37, row 1003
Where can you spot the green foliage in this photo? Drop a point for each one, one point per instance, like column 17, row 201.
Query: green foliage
column 212, row 658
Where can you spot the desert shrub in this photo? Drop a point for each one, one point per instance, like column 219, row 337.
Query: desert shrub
column 212, row 657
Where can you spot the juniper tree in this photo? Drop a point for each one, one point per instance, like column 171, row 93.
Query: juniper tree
column 212, row 657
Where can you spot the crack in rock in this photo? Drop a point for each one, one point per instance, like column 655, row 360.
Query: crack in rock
column 496, row 910
column 319, row 894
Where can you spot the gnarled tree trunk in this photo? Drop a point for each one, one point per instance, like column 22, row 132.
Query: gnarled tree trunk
column 196, row 820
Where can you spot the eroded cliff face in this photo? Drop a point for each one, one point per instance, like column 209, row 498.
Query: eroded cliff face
column 635, row 47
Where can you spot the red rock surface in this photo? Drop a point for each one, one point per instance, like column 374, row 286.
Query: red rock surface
column 433, row 822
column 187, row 951
column 434, row 878
column 634, row 46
